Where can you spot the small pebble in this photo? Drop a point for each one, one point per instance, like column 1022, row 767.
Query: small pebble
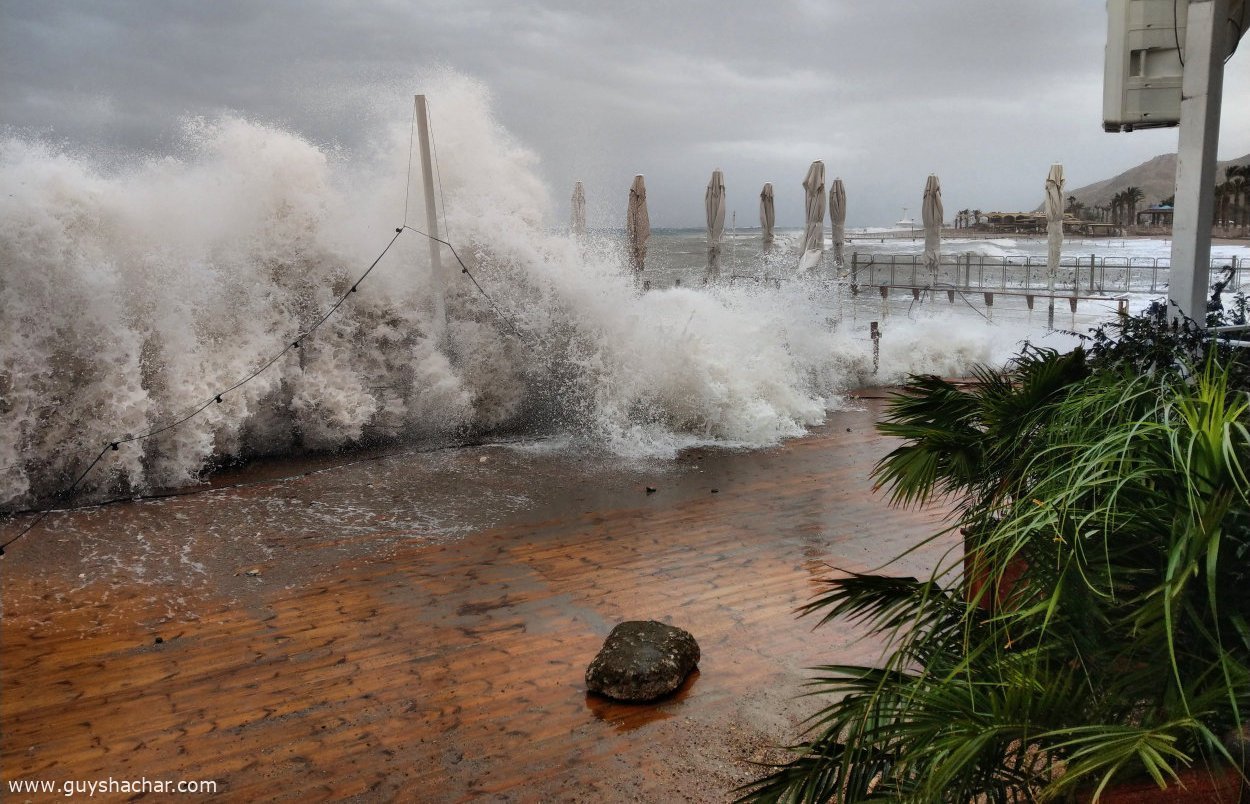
column 159, row 640
column 651, row 489
column 716, row 491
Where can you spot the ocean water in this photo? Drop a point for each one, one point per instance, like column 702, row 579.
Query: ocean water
column 133, row 292
column 681, row 254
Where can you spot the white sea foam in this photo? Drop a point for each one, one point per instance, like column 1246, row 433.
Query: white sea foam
column 132, row 293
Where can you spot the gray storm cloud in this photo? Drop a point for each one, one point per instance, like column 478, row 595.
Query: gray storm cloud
column 985, row 94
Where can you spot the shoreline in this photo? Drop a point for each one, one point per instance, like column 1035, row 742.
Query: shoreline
column 423, row 621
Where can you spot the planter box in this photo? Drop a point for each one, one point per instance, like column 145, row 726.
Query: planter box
column 1196, row 786
column 976, row 580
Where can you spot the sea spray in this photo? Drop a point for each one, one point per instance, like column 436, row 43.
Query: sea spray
column 131, row 294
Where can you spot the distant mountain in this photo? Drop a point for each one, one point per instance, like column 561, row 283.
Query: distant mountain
column 1156, row 178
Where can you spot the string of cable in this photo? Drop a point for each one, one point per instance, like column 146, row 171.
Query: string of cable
column 115, row 445
column 294, row 344
column 1239, row 23
column 464, row 269
column 1176, row 34
column 442, row 209
column 438, row 173
column 408, row 184
column 216, row 398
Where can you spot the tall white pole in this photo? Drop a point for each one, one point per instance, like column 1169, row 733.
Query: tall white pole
column 1206, row 44
column 431, row 219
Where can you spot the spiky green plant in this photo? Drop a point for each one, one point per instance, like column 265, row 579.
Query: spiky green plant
column 1121, row 649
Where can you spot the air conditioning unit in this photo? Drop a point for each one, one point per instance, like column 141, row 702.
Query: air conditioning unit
column 1142, row 78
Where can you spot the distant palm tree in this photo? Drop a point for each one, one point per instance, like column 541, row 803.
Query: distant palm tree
column 1132, row 195
column 1223, row 194
column 976, row 217
column 1239, row 177
column 1244, row 172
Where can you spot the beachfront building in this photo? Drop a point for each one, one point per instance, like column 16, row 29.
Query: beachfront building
column 1160, row 215
column 1016, row 222
column 1035, row 223
column 1155, row 216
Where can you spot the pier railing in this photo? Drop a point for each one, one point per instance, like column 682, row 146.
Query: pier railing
column 1077, row 275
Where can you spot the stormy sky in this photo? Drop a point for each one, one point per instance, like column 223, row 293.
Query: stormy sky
column 985, row 93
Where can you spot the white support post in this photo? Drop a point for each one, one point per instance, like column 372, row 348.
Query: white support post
column 1202, row 85
column 431, row 219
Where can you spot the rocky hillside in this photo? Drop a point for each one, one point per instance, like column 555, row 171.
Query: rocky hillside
column 1156, row 178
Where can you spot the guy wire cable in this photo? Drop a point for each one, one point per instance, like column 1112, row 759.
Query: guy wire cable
column 215, row 398
column 408, row 185
column 115, row 445
column 438, row 173
column 464, row 269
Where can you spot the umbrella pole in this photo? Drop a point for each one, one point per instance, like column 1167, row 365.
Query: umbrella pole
column 431, row 219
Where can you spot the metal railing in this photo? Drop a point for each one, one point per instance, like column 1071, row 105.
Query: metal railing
column 1226, row 331
column 1092, row 275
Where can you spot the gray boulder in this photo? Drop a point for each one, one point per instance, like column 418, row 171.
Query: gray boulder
column 642, row 661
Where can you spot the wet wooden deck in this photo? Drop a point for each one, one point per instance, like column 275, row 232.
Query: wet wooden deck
column 368, row 662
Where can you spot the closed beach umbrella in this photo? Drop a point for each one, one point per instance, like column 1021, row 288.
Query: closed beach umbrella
column 931, row 213
column 637, row 223
column 768, row 215
column 1054, row 222
column 814, row 232
column 714, row 201
column 837, row 215
column 577, row 216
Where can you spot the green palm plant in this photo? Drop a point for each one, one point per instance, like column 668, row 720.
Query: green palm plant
column 1122, row 649
column 962, row 442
